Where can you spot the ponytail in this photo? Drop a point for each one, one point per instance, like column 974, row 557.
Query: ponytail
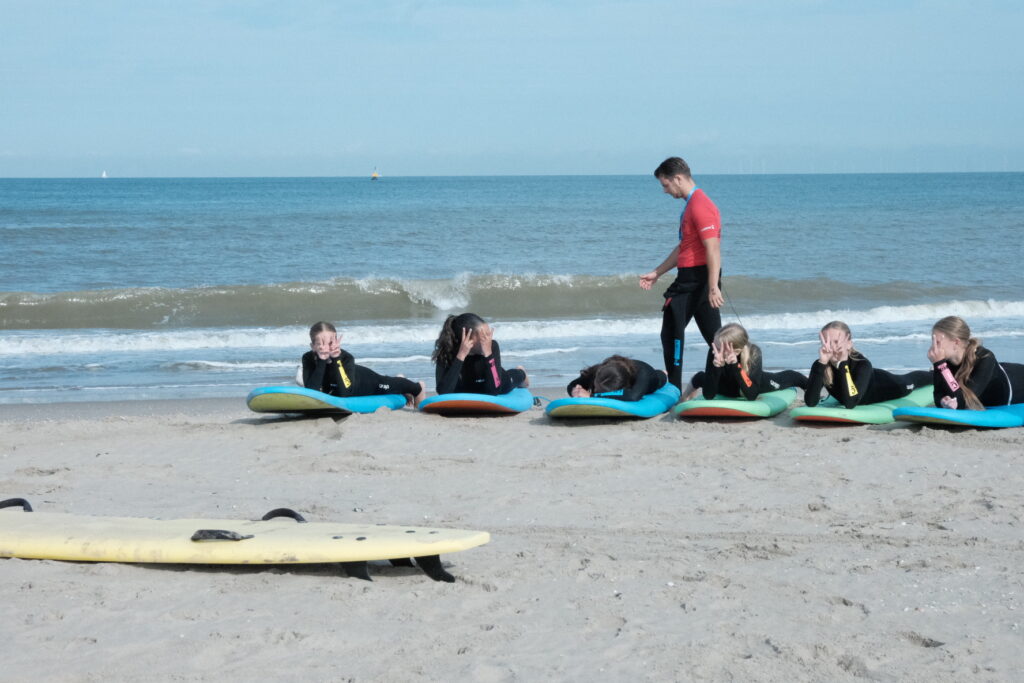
column 956, row 328
column 964, row 373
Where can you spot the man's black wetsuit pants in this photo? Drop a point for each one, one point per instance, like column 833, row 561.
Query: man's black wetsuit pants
column 686, row 299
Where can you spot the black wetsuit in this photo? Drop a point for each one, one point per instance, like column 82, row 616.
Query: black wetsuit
column 342, row 377
column 647, row 381
column 994, row 383
column 869, row 385
column 734, row 381
column 478, row 375
column 685, row 299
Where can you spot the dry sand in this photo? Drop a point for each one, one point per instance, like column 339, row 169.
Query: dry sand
column 654, row 550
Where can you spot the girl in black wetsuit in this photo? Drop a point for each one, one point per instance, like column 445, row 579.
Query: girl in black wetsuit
column 733, row 369
column 849, row 377
column 332, row 370
column 617, row 377
column 966, row 375
column 468, row 359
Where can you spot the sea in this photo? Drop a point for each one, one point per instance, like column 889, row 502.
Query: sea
column 124, row 289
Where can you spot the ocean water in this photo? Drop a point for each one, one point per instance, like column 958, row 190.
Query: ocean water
column 171, row 288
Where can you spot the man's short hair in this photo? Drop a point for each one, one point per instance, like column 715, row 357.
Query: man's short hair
column 671, row 167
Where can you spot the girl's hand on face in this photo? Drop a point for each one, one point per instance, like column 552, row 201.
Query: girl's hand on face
column 825, row 351
column 949, row 402
column 486, row 337
column 937, row 351
column 334, row 350
column 322, row 345
column 729, row 354
column 843, row 347
column 580, row 392
column 466, row 344
column 717, row 354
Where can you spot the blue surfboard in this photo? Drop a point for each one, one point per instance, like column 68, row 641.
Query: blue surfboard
column 997, row 417
column 311, row 402
column 651, row 405
column 515, row 401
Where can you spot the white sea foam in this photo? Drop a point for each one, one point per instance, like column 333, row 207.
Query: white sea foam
column 423, row 334
column 969, row 310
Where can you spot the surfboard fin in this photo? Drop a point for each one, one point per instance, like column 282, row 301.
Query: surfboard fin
column 357, row 570
column 401, row 562
column 283, row 512
column 16, row 502
column 431, row 566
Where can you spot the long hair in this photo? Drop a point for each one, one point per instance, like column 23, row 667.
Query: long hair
column 448, row 342
column 319, row 327
column 955, row 327
column 736, row 335
column 854, row 353
column 611, row 374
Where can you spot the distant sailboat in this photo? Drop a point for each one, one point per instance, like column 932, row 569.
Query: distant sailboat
column 375, row 175
column 103, row 175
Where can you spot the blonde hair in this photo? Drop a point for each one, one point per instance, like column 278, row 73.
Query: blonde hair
column 854, row 353
column 736, row 336
column 955, row 327
column 319, row 327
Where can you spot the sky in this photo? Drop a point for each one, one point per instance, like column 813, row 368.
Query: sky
column 188, row 88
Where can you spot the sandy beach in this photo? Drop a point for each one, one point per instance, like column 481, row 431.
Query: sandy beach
column 650, row 550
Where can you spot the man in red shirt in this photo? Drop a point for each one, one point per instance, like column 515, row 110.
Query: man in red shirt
column 696, row 292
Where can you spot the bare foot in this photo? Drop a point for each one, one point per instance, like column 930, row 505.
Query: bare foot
column 526, row 378
column 689, row 392
column 420, row 396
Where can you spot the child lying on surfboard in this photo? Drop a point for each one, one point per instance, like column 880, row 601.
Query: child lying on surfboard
column 468, row 359
column 734, row 369
column 330, row 369
column 617, row 377
column 966, row 375
column 849, row 377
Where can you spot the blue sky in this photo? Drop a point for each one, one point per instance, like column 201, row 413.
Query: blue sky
column 461, row 87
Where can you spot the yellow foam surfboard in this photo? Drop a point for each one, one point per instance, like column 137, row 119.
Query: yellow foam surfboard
column 273, row 540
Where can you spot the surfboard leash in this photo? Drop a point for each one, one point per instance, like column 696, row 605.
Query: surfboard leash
column 734, row 312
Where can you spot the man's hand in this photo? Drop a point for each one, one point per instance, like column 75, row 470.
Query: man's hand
column 647, row 280
column 715, row 297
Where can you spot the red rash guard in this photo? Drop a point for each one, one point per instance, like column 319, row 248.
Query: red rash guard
column 700, row 221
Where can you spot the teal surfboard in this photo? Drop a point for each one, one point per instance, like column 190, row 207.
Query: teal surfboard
column 651, row 405
column 768, row 404
column 830, row 410
column 515, row 401
column 997, row 417
column 310, row 402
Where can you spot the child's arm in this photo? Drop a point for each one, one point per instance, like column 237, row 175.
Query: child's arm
column 712, row 377
column 815, row 381
column 313, row 369
column 446, row 377
column 747, row 379
column 852, row 382
column 494, row 375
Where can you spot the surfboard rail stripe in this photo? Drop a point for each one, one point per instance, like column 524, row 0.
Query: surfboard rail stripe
column 465, row 403
column 831, row 410
column 768, row 404
column 295, row 399
column 995, row 417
